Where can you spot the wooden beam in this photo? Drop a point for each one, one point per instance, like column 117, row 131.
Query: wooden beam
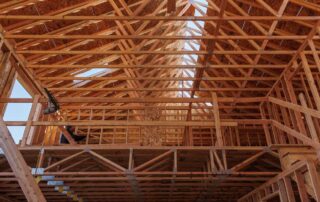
column 310, row 79
column 114, row 166
column 114, row 78
column 248, row 161
column 295, row 107
column 314, row 178
column 289, row 189
column 217, row 119
column 19, row 167
column 153, row 160
column 142, row 52
column 292, row 62
column 30, row 119
column 67, row 135
column 138, row 107
column 293, row 170
column 64, row 160
column 138, row 100
column 121, row 123
column 24, row 73
column 309, row 120
column 78, row 148
column 296, row 134
column 115, row 89
column 153, row 66
column 301, row 186
column 161, row 18
column 162, row 37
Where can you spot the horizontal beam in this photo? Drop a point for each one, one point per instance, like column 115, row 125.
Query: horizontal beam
column 80, row 147
column 159, row 173
column 138, row 100
column 168, row 52
column 120, row 123
column 162, row 37
column 161, row 18
column 292, row 169
column 137, row 107
column 183, row 179
column 158, row 89
column 151, row 66
column 224, row 122
column 302, row 137
column 295, row 107
column 248, row 173
column 121, row 78
column 19, row 166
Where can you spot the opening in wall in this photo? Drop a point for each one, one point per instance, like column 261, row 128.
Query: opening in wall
column 17, row 111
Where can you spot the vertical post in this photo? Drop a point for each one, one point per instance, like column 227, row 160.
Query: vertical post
column 293, row 99
column 132, row 178
column 189, row 130
column 174, row 169
column 190, row 136
column 224, row 156
column 301, row 187
column 309, row 76
column 5, row 69
column 274, row 129
column 315, row 179
column 213, row 165
column 217, row 119
column 19, row 167
column 41, row 158
column 289, row 190
column 130, row 164
column 312, row 85
column 101, row 129
column 175, row 160
column 282, row 191
column 284, row 115
column 314, row 53
column 265, row 126
column 309, row 120
column 27, row 130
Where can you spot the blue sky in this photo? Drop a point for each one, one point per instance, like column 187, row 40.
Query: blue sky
column 20, row 111
column 193, row 45
column 90, row 72
column 17, row 111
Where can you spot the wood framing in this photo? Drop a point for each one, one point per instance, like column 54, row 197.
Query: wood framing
column 19, row 167
column 171, row 100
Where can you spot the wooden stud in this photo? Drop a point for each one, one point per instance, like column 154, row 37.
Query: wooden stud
column 27, row 183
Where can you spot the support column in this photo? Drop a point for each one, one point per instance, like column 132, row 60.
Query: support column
column 19, row 167
column 310, row 79
column 217, row 119
column 265, row 126
column 310, row 124
column 293, row 99
column 30, row 119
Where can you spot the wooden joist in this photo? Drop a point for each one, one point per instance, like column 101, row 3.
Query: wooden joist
column 160, row 18
column 18, row 165
column 139, row 100
column 175, row 100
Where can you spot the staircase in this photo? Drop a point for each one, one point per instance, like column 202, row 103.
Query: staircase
column 57, row 184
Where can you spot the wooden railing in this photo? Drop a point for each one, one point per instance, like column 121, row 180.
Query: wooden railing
column 293, row 105
column 130, row 126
